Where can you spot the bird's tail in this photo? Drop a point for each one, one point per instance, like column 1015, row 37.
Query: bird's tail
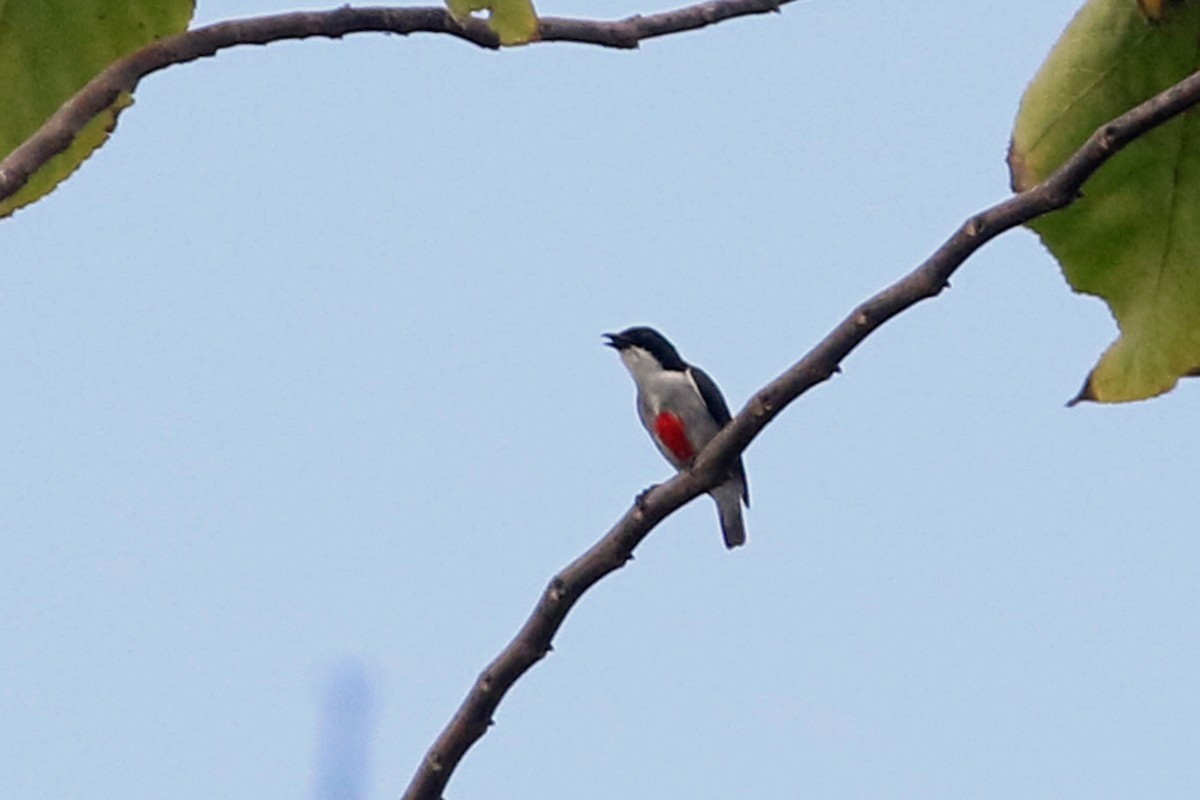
column 728, row 497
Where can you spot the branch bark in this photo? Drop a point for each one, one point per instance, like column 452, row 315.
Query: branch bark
column 124, row 75
column 615, row 549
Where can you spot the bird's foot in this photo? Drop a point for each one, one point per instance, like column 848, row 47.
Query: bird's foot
column 640, row 500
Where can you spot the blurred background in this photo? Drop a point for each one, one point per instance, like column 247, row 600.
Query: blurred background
column 305, row 401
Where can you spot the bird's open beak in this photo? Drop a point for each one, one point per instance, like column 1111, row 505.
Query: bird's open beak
column 614, row 340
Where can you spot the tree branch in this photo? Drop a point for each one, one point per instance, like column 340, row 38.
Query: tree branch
column 57, row 133
column 616, row 548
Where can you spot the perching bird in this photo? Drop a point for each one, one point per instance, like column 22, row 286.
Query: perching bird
column 682, row 409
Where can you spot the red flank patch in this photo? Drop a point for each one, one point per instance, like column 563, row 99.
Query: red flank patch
column 671, row 432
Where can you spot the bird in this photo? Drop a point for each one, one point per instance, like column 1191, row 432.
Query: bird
column 682, row 409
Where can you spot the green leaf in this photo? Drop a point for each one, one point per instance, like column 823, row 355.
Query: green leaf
column 1153, row 9
column 48, row 50
column 514, row 21
column 1133, row 239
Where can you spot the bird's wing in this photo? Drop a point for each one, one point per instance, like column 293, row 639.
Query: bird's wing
column 720, row 412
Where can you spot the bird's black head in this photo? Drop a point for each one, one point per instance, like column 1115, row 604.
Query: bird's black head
column 652, row 342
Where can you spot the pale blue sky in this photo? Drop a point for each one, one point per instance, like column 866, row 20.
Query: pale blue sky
column 304, row 385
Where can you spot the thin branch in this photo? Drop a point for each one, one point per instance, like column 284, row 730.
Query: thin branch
column 628, row 33
column 57, row 133
column 616, row 548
